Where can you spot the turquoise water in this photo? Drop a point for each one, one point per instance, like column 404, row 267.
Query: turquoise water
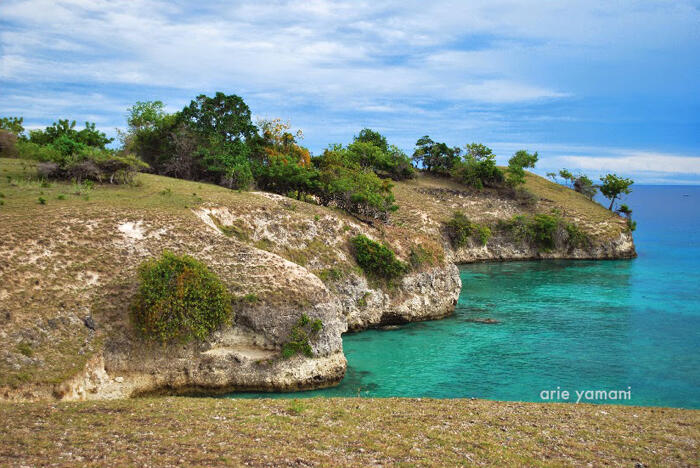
column 631, row 325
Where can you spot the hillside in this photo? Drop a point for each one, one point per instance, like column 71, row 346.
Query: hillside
column 70, row 253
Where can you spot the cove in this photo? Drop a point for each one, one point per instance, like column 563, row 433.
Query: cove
column 574, row 326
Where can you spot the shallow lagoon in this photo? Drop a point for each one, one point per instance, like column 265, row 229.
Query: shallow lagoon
column 628, row 325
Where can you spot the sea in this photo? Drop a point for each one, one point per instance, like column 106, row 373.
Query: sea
column 571, row 331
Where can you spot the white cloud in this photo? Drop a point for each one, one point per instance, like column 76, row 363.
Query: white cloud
column 450, row 68
column 636, row 162
column 595, row 161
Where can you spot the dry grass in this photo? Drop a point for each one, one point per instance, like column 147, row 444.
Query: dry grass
column 427, row 201
column 348, row 432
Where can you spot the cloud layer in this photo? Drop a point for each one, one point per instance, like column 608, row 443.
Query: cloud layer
column 576, row 72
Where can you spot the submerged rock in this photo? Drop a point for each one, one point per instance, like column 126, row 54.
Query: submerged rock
column 483, row 320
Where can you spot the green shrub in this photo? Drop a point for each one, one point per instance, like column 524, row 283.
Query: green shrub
column 179, row 299
column 25, row 349
column 419, row 257
column 300, row 335
column 543, row 229
column 84, row 163
column 377, row 260
column 460, row 229
column 576, row 237
column 484, row 233
column 250, row 298
column 42, row 201
column 330, row 275
column 362, row 301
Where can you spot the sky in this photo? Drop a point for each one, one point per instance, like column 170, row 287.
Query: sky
column 593, row 86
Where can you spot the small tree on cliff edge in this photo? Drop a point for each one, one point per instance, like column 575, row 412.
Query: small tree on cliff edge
column 614, row 186
column 515, row 174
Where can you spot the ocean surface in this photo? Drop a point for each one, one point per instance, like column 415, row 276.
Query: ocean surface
column 595, row 329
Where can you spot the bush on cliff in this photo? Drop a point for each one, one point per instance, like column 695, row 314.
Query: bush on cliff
column 544, row 230
column 377, row 260
column 179, row 299
column 300, row 336
column 460, row 229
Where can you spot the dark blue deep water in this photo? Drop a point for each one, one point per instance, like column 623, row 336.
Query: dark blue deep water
column 631, row 325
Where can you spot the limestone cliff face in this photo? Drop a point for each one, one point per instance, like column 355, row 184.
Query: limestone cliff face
column 427, row 295
column 72, row 281
column 507, row 248
column 245, row 356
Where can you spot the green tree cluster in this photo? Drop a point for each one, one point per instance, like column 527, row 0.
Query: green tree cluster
column 371, row 151
column 65, row 152
column 435, row 157
column 478, row 167
column 213, row 139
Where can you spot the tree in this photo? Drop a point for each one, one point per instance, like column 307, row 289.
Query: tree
column 567, row 176
column 287, row 178
column 371, row 150
column 159, row 138
column 14, row 125
column 367, row 135
column 276, row 141
column 145, row 115
column 349, row 186
column 584, row 185
column 553, row 176
column 224, row 118
column 516, row 167
column 64, row 130
column 435, row 157
column 478, row 167
column 614, row 186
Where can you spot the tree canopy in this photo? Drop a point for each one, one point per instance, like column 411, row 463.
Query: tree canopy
column 613, row 186
column 478, row 167
column 516, row 167
column 435, row 157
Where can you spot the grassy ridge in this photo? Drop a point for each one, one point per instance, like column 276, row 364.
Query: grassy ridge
column 356, row 432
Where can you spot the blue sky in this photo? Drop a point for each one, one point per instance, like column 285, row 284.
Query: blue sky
column 592, row 85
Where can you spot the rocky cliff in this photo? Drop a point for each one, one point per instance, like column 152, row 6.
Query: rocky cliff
column 69, row 271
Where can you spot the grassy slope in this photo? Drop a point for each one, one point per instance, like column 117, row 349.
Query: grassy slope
column 359, row 432
column 440, row 197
